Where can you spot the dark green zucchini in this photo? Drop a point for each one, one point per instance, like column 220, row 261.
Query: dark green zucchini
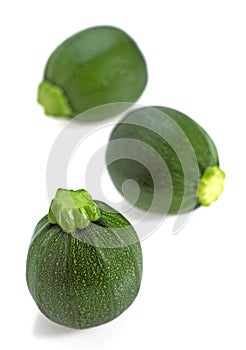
column 172, row 159
column 94, row 67
column 88, row 274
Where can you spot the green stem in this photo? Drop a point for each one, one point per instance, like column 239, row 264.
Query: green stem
column 54, row 100
column 73, row 210
column 211, row 185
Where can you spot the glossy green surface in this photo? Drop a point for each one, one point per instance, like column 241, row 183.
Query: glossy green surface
column 96, row 66
column 165, row 152
column 87, row 278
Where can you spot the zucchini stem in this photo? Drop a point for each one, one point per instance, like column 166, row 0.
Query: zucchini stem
column 54, row 100
column 210, row 185
column 73, row 210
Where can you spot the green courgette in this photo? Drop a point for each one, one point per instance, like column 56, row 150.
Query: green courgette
column 84, row 263
column 172, row 161
column 94, row 67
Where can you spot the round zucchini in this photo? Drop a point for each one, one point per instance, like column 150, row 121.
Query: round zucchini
column 96, row 66
column 84, row 263
column 171, row 161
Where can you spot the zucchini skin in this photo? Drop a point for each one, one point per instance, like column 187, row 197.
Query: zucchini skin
column 96, row 66
column 78, row 280
column 164, row 131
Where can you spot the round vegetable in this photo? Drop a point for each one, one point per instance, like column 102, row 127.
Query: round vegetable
column 84, row 263
column 163, row 161
column 96, row 66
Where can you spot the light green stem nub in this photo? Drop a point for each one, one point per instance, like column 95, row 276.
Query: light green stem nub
column 53, row 99
column 72, row 210
column 211, row 185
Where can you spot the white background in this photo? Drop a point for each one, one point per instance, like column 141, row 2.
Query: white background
column 193, row 293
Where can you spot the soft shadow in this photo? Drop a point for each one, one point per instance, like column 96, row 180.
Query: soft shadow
column 44, row 328
column 98, row 114
column 104, row 112
column 103, row 334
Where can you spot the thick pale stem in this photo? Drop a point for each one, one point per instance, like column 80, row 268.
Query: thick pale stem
column 211, row 185
column 73, row 210
column 53, row 99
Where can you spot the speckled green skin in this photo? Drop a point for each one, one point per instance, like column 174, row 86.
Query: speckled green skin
column 155, row 130
column 87, row 278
